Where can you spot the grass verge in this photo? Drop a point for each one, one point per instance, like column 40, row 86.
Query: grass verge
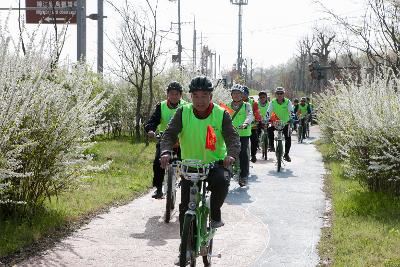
column 365, row 226
column 128, row 176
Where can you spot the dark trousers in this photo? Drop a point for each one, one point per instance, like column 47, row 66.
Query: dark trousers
column 218, row 183
column 244, row 156
column 288, row 137
column 158, row 172
column 303, row 122
column 254, row 141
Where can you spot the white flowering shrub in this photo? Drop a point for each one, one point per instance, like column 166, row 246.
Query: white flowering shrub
column 362, row 121
column 47, row 116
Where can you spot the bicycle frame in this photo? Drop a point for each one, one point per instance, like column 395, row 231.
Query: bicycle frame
column 198, row 203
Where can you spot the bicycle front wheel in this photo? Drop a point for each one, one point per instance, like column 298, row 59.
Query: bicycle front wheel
column 279, row 153
column 300, row 134
column 207, row 258
column 188, row 242
column 265, row 146
column 171, row 194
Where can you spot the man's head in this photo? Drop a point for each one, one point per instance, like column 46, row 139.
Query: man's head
column 201, row 89
column 296, row 101
column 246, row 93
column 308, row 99
column 303, row 101
column 280, row 93
column 237, row 92
column 174, row 92
column 262, row 97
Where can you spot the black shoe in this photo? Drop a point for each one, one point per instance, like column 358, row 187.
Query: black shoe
column 242, row 182
column 158, row 194
column 287, row 158
column 271, row 149
column 253, row 159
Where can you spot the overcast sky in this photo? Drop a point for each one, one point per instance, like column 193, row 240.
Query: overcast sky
column 271, row 28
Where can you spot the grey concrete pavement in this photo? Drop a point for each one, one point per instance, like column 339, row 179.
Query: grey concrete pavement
column 275, row 221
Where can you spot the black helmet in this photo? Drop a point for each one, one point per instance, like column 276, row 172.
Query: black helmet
column 296, row 100
column 262, row 93
column 200, row 83
column 174, row 86
column 246, row 90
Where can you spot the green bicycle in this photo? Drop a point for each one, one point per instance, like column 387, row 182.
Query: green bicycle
column 197, row 234
column 264, row 142
column 279, row 143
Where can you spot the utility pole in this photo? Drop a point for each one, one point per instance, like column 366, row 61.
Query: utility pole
column 179, row 36
column 100, row 49
column 194, row 44
column 81, row 29
column 219, row 64
column 240, row 3
column 215, row 65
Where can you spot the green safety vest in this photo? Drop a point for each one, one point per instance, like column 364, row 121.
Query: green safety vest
column 263, row 109
column 303, row 110
column 281, row 110
column 193, row 135
column 167, row 114
column 239, row 120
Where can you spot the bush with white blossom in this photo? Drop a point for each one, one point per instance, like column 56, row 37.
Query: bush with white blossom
column 362, row 121
column 47, row 116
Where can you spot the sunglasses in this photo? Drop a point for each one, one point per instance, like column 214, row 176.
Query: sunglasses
column 279, row 93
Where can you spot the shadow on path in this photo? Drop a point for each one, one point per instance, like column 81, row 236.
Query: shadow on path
column 284, row 173
column 157, row 231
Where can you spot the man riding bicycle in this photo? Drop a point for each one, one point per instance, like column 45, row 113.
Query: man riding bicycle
column 283, row 109
column 205, row 133
column 263, row 107
column 303, row 113
column 255, row 123
column 242, row 116
column 158, row 122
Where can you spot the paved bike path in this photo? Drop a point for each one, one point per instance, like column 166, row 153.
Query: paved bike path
column 275, row 221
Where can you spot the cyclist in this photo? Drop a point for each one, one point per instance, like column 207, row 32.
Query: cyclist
column 254, row 124
column 308, row 102
column 303, row 112
column 283, row 109
column 242, row 116
column 158, row 122
column 263, row 107
column 195, row 123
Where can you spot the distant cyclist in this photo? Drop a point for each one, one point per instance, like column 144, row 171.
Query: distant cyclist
column 255, row 123
column 158, row 122
column 263, row 107
column 283, row 109
column 303, row 113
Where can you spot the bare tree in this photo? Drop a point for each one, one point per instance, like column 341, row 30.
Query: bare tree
column 139, row 47
column 378, row 36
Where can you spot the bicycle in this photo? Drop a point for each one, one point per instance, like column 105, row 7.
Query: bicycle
column 170, row 187
column 197, row 234
column 170, row 184
column 264, row 141
column 278, row 143
column 301, row 129
column 307, row 126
